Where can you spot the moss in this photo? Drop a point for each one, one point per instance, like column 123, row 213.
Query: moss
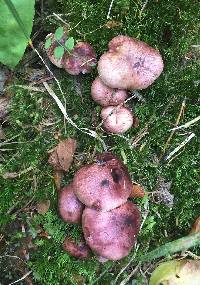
column 172, row 28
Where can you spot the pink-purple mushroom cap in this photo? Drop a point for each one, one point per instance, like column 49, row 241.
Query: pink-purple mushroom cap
column 81, row 59
column 106, row 96
column 103, row 185
column 70, row 208
column 129, row 64
column 111, row 234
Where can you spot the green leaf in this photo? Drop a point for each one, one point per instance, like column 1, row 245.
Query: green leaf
column 59, row 33
column 48, row 43
column 58, row 52
column 15, row 28
column 69, row 43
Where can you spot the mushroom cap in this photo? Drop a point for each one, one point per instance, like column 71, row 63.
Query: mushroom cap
column 116, row 119
column 103, row 185
column 70, row 208
column 129, row 64
column 50, row 52
column 111, row 234
column 81, row 59
column 79, row 250
column 106, row 96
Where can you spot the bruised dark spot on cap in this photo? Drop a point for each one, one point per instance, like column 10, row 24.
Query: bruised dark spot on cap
column 116, row 175
column 105, row 183
column 128, row 220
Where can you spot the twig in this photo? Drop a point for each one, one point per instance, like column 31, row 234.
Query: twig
column 22, row 278
column 143, row 6
column 173, row 131
column 180, row 146
column 59, row 18
column 110, row 7
column 187, row 125
column 66, row 116
column 130, row 275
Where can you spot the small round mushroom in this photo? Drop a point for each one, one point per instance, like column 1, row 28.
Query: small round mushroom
column 103, row 185
column 78, row 250
column 116, row 119
column 70, row 208
column 106, row 96
column 80, row 60
column 111, row 234
column 129, row 64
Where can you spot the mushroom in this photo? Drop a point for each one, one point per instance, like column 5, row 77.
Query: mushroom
column 70, row 208
column 51, row 48
column 106, row 96
column 117, row 119
column 103, row 185
column 111, row 234
column 129, row 64
column 78, row 250
column 80, row 60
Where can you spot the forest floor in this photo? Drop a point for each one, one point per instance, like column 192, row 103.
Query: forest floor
column 30, row 242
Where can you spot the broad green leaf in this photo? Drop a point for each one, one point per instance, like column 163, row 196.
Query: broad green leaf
column 13, row 40
column 69, row 43
column 58, row 52
column 59, row 33
column 48, row 43
column 177, row 272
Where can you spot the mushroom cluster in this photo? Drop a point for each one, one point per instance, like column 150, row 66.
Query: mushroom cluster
column 62, row 52
column 98, row 198
column 129, row 64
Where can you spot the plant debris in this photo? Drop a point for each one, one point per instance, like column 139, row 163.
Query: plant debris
column 4, row 107
column 137, row 191
column 177, row 272
column 162, row 192
column 196, row 226
column 43, row 207
column 62, row 156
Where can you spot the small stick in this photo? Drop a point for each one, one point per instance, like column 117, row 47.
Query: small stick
column 109, row 11
column 180, row 146
column 173, row 131
column 187, row 125
column 22, row 278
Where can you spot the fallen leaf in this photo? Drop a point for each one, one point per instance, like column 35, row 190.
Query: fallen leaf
column 196, row 226
column 62, row 156
column 137, row 191
column 113, row 24
column 177, row 272
column 43, row 207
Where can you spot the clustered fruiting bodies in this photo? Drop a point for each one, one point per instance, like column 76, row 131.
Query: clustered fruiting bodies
column 98, row 194
column 128, row 64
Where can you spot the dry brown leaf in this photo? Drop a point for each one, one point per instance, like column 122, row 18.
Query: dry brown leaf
column 137, row 191
column 43, row 207
column 62, row 156
column 196, row 226
column 113, row 24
